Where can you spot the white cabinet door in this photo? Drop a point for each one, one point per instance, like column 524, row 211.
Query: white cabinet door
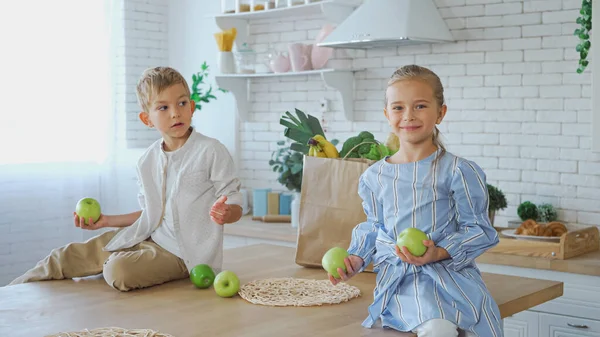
column 566, row 326
column 523, row 324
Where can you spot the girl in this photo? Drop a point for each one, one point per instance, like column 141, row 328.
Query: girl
column 445, row 196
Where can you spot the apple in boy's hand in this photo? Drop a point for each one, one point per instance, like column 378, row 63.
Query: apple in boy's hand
column 412, row 239
column 202, row 276
column 334, row 259
column 227, row 284
column 88, row 208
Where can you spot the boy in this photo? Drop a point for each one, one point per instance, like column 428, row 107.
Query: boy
column 188, row 190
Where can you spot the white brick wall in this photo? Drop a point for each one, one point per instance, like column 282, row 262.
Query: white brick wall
column 146, row 45
column 515, row 103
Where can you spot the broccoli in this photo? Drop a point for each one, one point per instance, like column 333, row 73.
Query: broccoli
column 364, row 135
column 350, row 143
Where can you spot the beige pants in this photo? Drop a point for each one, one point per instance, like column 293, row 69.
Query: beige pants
column 143, row 265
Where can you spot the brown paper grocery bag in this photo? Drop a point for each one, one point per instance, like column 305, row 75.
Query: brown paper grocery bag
column 330, row 206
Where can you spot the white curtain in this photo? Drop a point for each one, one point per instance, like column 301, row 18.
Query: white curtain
column 57, row 122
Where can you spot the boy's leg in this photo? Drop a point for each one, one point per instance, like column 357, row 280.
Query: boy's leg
column 144, row 265
column 78, row 259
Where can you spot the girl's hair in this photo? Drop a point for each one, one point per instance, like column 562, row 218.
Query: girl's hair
column 415, row 72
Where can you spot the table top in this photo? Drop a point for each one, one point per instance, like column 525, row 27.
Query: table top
column 180, row 309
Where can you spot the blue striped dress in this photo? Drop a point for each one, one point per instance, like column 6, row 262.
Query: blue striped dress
column 448, row 200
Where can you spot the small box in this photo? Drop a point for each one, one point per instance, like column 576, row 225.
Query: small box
column 259, row 201
column 273, row 203
column 285, row 204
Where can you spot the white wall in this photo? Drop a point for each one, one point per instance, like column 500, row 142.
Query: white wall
column 516, row 106
column 191, row 42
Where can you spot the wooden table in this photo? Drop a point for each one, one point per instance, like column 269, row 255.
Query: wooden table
column 177, row 308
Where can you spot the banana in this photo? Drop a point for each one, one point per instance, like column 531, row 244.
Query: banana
column 326, row 146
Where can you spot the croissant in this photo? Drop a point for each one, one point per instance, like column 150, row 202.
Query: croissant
column 555, row 228
column 530, row 227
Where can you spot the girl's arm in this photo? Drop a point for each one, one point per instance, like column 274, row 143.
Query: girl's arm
column 475, row 233
column 365, row 233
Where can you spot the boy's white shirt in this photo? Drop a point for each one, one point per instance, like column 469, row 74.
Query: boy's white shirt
column 205, row 171
column 164, row 235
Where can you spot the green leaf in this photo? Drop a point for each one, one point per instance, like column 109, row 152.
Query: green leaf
column 195, row 97
column 335, row 142
column 579, row 20
column 579, row 48
column 299, row 147
column 315, row 126
column 286, row 123
column 297, row 135
column 583, row 54
column 577, row 32
column 296, row 168
column 294, row 119
column 587, row 44
column 281, row 142
column 303, row 120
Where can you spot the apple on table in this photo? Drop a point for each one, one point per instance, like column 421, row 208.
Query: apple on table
column 226, row 284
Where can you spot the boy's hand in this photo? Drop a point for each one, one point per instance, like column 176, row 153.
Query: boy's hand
column 223, row 213
column 353, row 264
column 433, row 254
column 80, row 222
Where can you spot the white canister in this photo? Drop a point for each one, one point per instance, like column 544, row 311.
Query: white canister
column 226, row 62
column 295, row 210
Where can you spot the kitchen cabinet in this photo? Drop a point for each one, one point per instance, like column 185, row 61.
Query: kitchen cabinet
column 523, row 324
column 566, row 326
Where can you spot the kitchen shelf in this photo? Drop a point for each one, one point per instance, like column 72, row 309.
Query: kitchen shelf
column 334, row 11
column 340, row 80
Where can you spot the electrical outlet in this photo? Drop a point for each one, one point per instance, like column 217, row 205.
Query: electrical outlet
column 323, row 105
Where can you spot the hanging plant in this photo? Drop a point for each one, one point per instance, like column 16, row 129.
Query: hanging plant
column 585, row 21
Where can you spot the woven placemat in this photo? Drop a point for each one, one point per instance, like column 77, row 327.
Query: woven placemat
column 112, row 332
column 281, row 292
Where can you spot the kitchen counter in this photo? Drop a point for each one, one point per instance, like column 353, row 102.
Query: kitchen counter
column 587, row 264
column 179, row 309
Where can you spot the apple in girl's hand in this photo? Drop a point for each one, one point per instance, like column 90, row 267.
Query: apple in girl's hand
column 226, row 284
column 202, row 276
column 334, row 259
column 412, row 239
column 88, row 208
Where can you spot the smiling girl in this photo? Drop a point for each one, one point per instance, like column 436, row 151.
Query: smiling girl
column 424, row 186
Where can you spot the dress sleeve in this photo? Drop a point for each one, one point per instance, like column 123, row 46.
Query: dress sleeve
column 474, row 234
column 365, row 233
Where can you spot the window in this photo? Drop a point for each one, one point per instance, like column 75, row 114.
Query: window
column 56, row 100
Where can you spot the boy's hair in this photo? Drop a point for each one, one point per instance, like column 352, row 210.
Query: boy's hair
column 154, row 81
column 415, row 72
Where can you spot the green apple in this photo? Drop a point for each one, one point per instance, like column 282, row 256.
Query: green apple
column 88, row 208
column 202, row 276
column 412, row 239
column 226, row 284
column 334, row 259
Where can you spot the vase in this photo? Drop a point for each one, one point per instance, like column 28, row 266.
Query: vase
column 295, row 209
column 492, row 215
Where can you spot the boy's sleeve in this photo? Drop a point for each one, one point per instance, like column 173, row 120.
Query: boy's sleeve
column 141, row 196
column 365, row 233
column 223, row 176
column 475, row 234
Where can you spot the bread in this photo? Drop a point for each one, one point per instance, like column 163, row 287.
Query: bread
column 532, row 228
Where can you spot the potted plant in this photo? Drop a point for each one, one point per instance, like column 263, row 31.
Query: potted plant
column 288, row 164
column 527, row 210
column 198, row 95
column 546, row 213
column 497, row 201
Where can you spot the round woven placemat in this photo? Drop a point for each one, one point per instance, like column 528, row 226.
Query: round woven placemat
column 281, row 292
column 112, row 332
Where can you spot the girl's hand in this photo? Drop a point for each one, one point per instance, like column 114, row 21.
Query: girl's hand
column 80, row 222
column 353, row 264
column 433, row 254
